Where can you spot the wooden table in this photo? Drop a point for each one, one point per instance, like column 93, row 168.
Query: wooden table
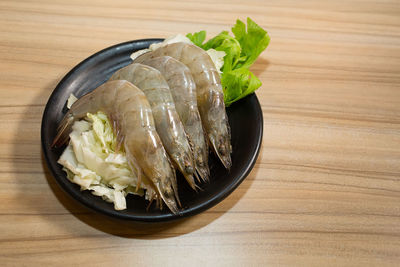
column 325, row 189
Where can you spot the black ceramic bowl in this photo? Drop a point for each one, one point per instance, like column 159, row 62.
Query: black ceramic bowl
column 245, row 118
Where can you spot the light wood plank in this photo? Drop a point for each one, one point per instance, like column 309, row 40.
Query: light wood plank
column 326, row 186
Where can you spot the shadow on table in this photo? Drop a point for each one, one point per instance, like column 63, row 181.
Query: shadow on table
column 101, row 222
column 260, row 65
column 140, row 230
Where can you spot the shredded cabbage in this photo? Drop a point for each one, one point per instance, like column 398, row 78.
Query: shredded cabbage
column 170, row 40
column 71, row 100
column 91, row 161
column 216, row 56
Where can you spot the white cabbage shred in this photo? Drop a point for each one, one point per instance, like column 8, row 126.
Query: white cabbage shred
column 216, row 56
column 91, row 161
column 71, row 100
column 170, row 40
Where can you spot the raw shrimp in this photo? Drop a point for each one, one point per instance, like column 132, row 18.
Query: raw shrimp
column 183, row 90
column 168, row 124
column 210, row 98
column 130, row 114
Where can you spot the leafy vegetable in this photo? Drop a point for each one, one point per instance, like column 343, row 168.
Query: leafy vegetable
column 241, row 52
column 91, row 161
column 197, row 38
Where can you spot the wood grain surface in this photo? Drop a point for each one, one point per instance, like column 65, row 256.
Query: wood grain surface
column 325, row 190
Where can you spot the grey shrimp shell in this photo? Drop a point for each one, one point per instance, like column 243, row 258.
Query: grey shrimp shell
column 183, row 90
column 131, row 116
column 167, row 121
column 210, row 99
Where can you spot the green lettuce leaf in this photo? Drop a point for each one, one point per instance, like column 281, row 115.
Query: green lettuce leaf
column 238, row 84
column 197, row 38
column 253, row 41
column 241, row 51
column 228, row 44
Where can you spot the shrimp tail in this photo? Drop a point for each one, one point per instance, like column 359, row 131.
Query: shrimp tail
column 167, row 196
column 222, row 150
column 189, row 178
column 221, row 143
column 202, row 171
column 167, row 200
column 202, row 168
column 78, row 110
column 64, row 130
column 200, row 154
column 197, row 176
column 174, row 183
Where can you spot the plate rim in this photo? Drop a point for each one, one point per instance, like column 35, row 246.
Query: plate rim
column 210, row 202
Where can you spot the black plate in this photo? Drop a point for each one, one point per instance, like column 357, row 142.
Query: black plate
column 245, row 118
